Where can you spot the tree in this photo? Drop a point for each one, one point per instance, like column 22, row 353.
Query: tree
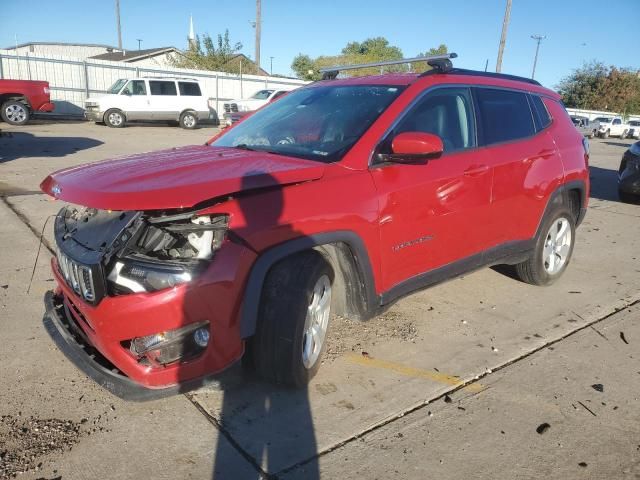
column 204, row 54
column 598, row 87
column 370, row 50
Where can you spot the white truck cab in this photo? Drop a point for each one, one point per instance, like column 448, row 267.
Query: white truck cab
column 612, row 126
column 167, row 99
column 255, row 101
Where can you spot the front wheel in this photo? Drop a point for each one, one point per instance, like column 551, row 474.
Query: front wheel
column 293, row 319
column 552, row 251
column 606, row 134
column 15, row 113
column 624, row 135
column 114, row 118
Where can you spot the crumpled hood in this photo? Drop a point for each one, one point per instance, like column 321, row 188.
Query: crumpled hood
column 175, row 178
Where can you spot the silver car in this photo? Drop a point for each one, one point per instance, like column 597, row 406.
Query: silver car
column 585, row 126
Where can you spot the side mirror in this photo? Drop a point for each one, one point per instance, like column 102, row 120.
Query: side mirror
column 414, row 147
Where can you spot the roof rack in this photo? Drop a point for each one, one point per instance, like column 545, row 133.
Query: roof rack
column 478, row 73
column 440, row 63
column 168, row 77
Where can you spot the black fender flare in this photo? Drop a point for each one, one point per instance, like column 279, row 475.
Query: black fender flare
column 253, row 291
column 560, row 196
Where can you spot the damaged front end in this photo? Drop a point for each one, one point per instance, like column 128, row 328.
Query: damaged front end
column 102, row 253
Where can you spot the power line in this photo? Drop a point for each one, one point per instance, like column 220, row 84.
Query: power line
column 538, row 39
column 503, row 37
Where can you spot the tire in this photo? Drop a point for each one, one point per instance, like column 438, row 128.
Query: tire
column 628, row 197
column 541, row 268
column 15, row 113
column 606, row 134
column 282, row 350
column 591, row 135
column 114, row 118
column 624, row 135
column 188, row 120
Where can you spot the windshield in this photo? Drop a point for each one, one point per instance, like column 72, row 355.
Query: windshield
column 603, row 119
column 115, row 88
column 634, row 123
column 318, row 123
column 262, row 94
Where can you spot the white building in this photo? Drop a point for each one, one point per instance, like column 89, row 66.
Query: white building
column 151, row 57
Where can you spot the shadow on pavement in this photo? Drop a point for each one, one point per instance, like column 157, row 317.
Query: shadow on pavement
column 604, row 183
column 17, row 145
column 270, row 426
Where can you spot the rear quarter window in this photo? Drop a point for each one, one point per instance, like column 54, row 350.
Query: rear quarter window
column 541, row 116
column 162, row 88
column 504, row 115
column 189, row 89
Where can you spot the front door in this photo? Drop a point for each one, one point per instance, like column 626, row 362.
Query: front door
column 435, row 213
column 135, row 101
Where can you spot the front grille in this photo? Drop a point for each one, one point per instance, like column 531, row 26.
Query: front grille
column 230, row 107
column 79, row 277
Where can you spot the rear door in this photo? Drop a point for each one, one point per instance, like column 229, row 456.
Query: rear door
column 522, row 156
column 191, row 97
column 435, row 213
column 165, row 103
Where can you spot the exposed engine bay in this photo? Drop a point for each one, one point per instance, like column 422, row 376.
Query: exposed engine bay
column 107, row 252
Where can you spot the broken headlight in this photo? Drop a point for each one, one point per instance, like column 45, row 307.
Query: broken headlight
column 168, row 251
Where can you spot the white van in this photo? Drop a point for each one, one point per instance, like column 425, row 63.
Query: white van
column 169, row 99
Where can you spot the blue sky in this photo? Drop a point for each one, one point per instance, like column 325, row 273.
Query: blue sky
column 576, row 30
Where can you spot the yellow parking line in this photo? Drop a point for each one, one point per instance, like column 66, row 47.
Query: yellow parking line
column 411, row 371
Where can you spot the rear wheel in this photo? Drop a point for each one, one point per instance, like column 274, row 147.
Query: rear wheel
column 15, row 112
column 294, row 317
column 114, row 118
column 188, row 120
column 552, row 251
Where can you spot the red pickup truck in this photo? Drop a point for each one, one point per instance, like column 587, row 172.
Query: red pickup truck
column 20, row 98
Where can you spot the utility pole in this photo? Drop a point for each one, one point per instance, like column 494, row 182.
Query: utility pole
column 258, row 25
column 503, row 37
column 538, row 39
column 139, row 42
column 118, row 22
column 271, row 66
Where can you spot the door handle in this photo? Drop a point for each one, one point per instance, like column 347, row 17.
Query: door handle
column 542, row 154
column 476, row 170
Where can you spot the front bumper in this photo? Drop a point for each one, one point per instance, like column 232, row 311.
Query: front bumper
column 69, row 340
column 94, row 115
column 46, row 107
column 106, row 329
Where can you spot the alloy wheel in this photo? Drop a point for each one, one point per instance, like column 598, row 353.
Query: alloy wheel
column 316, row 322
column 557, row 246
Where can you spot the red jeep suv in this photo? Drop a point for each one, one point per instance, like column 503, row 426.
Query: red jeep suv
column 339, row 198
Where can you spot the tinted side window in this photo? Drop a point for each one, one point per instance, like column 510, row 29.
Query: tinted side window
column 446, row 112
column 617, row 121
column 505, row 115
column 189, row 89
column 134, row 87
column 162, row 88
column 541, row 114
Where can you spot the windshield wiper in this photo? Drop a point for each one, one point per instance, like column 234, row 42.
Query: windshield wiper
column 244, row 146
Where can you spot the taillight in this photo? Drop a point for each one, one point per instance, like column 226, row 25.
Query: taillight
column 585, row 145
